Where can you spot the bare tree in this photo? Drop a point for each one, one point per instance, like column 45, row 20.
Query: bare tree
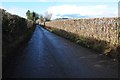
column 48, row 16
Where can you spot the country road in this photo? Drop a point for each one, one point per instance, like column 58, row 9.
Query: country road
column 49, row 56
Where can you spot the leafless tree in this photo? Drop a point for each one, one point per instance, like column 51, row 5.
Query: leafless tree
column 48, row 16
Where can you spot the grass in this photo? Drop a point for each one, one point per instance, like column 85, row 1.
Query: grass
column 13, row 49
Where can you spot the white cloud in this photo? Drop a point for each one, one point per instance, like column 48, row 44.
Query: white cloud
column 17, row 11
column 91, row 11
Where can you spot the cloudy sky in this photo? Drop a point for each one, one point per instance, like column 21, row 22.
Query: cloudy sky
column 88, row 8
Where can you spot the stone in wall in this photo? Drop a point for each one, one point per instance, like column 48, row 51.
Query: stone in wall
column 98, row 28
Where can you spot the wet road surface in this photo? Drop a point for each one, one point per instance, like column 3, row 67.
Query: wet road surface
column 49, row 56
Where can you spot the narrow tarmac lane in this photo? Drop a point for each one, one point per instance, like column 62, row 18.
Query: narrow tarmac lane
column 50, row 56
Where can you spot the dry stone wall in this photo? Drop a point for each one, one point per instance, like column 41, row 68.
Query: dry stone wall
column 99, row 28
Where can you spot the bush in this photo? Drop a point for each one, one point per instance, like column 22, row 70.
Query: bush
column 15, row 29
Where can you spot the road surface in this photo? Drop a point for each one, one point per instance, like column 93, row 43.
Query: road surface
column 49, row 56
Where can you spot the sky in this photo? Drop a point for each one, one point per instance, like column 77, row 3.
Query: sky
column 89, row 8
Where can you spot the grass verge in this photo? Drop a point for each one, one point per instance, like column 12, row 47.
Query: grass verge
column 99, row 46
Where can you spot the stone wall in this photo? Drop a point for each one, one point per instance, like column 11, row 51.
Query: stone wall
column 99, row 28
column 99, row 34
